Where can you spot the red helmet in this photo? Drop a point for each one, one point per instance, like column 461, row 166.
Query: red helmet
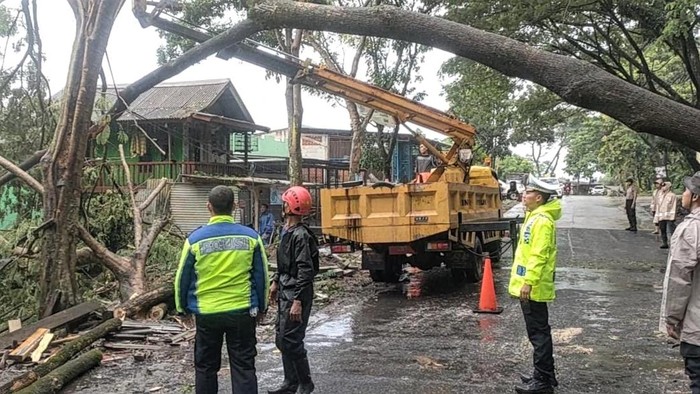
column 298, row 200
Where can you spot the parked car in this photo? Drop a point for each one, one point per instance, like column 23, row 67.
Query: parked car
column 598, row 190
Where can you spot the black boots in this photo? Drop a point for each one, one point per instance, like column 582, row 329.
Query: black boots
column 528, row 378
column 291, row 382
column 306, row 386
column 535, row 387
column 536, row 384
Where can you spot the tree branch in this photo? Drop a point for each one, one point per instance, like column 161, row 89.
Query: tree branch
column 358, row 55
column 151, row 197
column 19, row 173
column 111, row 260
column 26, row 165
column 156, row 228
column 576, row 82
column 230, row 37
column 138, row 222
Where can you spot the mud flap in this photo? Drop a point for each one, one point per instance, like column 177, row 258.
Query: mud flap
column 372, row 260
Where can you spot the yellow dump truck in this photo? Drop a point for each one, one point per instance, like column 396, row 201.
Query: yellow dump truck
column 446, row 221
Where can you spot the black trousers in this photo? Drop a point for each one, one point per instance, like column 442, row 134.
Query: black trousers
column 630, row 208
column 289, row 335
column 667, row 227
column 239, row 329
column 540, row 334
column 691, row 355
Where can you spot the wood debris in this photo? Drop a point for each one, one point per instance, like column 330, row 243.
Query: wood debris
column 25, row 350
column 43, row 345
column 70, row 315
column 14, row 325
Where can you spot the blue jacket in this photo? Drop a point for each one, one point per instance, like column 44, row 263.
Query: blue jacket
column 266, row 223
column 223, row 268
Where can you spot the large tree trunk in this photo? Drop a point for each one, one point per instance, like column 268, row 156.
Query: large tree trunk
column 575, row 81
column 295, row 113
column 359, row 128
column 63, row 162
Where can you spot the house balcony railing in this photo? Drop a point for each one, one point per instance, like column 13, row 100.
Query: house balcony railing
column 144, row 171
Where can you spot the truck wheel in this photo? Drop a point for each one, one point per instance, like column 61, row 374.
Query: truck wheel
column 475, row 266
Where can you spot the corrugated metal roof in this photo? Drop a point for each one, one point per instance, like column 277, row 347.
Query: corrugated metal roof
column 175, row 100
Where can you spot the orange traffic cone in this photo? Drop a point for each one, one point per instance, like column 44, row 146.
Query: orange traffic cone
column 487, row 299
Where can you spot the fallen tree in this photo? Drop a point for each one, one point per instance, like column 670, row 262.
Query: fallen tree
column 61, row 357
column 576, row 81
column 144, row 302
column 54, row 381
column 62, row 163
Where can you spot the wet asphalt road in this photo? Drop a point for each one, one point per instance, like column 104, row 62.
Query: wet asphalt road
column 603, row 321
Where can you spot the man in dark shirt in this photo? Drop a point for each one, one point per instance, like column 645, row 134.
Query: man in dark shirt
column 424, row 161
column 292, row 288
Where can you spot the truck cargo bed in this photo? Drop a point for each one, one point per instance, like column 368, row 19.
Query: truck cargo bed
column 404, row 213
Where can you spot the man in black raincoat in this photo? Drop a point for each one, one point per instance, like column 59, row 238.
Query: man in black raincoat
column 292, row 288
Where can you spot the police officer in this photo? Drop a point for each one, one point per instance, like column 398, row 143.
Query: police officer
column 222, row 279
column 681, row 295
column 532, row 280
column 292, row 287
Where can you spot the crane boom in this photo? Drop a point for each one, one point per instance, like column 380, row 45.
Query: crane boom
column 399, row 107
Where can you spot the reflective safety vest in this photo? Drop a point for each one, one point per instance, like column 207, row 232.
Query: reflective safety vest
column 536, row 256
column 223, row 268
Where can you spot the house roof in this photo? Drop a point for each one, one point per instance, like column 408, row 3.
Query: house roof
column 180, row 100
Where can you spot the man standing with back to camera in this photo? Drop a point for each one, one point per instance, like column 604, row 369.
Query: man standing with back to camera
column 222, row 279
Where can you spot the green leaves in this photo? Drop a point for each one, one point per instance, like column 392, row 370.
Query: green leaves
column 514, row 164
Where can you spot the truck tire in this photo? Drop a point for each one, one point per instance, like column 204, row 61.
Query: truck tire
column 475, row 267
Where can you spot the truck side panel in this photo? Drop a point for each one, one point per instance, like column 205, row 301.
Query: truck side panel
column 404, row 213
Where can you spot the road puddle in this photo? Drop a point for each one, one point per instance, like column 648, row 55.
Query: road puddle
column 331, row 332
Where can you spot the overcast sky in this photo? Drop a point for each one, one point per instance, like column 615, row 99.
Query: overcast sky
column 132, row 53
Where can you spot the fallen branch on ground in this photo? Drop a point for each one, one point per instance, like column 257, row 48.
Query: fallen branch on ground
column 144, row 301
column 61, row 357
column 54, row 381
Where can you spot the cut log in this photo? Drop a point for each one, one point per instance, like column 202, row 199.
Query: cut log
column 54, row 381
column 59, row 319
column 144, row 301
column 14, row 325
column 61, row 357
column 23, row 351
column 43, row 345
column 158, row 312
